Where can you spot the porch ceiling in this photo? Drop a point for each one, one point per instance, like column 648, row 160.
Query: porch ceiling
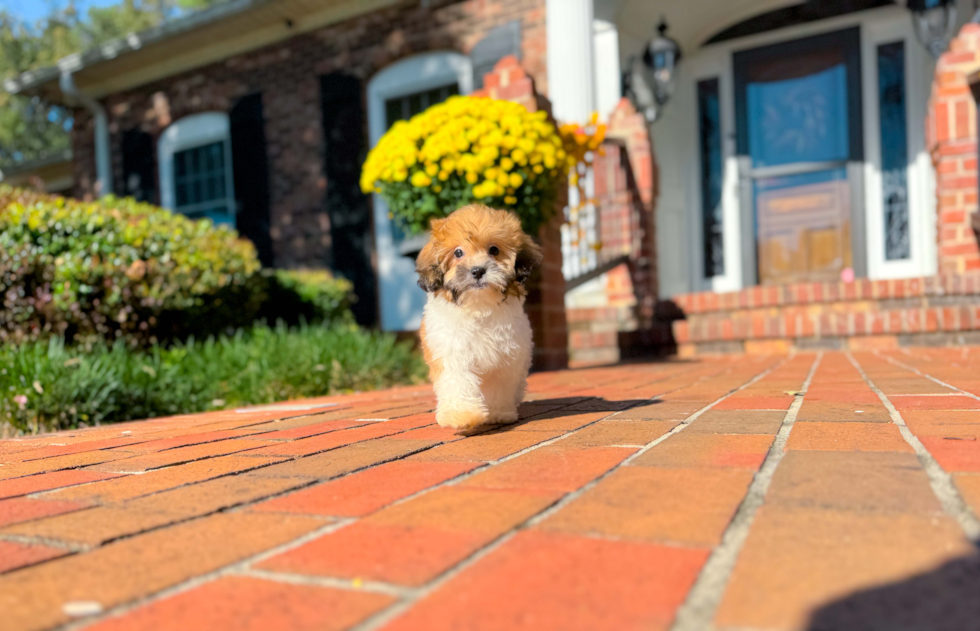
column 691, row 22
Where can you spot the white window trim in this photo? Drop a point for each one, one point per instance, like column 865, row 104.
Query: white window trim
column 878, row 26
column 399, row 300
column 716, row 64
column 192, row 131
column 919, row 173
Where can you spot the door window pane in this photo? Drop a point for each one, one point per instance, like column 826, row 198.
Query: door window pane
column 894, row 150
column 709, row 128
column 798, row 109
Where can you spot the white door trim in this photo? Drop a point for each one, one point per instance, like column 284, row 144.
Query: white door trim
column 878, row 26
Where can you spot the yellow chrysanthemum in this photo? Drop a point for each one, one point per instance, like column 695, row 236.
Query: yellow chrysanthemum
column 420, row 179
column 481, row 147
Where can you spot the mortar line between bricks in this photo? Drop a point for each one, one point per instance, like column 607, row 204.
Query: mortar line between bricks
column 244, row 567
column 234, row 569
column 45, row 541
column 227, row 509
column 490, row 463
column 927, row 376
column 702, row 602
column 378, row 587
column 397, row 609
column 939, row 479
column 40, row 494
column 81, row 548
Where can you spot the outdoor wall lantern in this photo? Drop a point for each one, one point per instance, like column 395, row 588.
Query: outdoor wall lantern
column 934, row 22
column 649, row 81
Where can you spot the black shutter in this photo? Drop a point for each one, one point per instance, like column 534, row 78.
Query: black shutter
column 250, row 166
column 139, row 166
column 349, row 210
column 499, row 42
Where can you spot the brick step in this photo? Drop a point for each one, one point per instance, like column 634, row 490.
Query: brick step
column 799, row 294
column 793, row 323
column 935, row 310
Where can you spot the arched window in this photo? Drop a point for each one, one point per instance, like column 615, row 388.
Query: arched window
column 194, row 154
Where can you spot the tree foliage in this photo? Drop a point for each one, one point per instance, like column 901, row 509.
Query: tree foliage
column 31, row 129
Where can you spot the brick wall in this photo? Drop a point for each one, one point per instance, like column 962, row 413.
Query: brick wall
column 614, row 315
column 546, row 288
column 951, row 131
column 287, row 74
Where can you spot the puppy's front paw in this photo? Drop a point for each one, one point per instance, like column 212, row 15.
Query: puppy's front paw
column 461, row 418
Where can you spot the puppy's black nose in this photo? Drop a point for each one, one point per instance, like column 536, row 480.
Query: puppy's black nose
column 478, row 272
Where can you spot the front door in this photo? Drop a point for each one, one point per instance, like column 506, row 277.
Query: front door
column 798, row 106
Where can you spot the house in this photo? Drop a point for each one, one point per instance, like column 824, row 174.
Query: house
column 52, row 174
column 813, row 172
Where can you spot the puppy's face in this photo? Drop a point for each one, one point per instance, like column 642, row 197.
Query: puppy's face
column 477, row 250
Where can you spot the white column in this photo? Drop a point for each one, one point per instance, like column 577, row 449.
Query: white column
column 608, row 79
column 571, row 80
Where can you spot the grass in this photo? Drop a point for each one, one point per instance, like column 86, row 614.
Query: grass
column 47, row 385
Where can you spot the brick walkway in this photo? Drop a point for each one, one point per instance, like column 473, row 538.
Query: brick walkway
column 820, row 491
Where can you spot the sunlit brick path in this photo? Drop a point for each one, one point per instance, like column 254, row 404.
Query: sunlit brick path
column 818, row 491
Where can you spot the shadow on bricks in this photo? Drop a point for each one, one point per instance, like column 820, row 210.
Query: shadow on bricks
column 547, row 411
column 945, row 599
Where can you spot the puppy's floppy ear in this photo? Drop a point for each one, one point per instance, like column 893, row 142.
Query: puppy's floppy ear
column 529, row 256
column 427, row 264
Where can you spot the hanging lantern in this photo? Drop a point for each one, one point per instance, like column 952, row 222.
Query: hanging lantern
column 649, row 81
column 934, row 22
column 661, row 57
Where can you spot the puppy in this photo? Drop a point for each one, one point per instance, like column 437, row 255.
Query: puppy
column 476, row 337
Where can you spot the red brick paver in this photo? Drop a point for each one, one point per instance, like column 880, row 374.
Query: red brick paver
column 817, row 491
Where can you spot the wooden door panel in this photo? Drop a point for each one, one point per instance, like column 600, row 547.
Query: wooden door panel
column 803, row 229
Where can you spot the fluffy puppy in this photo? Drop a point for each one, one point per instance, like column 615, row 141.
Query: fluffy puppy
column 476, row 337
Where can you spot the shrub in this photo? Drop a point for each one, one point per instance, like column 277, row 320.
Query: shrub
column 311, row 295
column 48, row 385
column 109, row 269
column 476, row 149
column 119, row 269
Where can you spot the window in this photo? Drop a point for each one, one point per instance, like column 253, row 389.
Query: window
column 407, row 106
column 894, row 150
column 199, row 180
column 195, row 168
column 709, row 133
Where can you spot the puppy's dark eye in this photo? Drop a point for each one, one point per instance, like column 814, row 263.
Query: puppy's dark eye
column 494, row 250
column 458, row 253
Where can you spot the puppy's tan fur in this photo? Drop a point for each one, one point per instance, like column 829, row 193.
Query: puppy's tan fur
column 476, row 337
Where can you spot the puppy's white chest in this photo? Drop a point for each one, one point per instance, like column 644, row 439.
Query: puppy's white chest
column 478, row 340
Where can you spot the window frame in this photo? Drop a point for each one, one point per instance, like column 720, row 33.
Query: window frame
column 191, row 132
column 919, row 173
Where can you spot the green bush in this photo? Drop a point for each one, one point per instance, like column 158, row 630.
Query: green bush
column 119, row 269
column 292, row 296
column 48, row 385
column 108, row 269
